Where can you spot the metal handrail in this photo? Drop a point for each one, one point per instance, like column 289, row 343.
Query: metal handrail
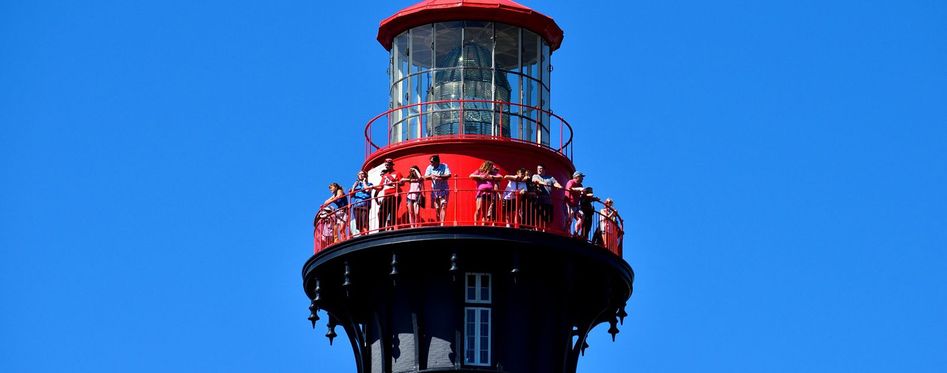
column 565, row 129
column 356, row 218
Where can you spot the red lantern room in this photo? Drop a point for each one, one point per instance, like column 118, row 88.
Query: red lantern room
column 447, row 247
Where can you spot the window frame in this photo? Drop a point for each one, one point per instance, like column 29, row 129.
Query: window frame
column 478, row 286
column 478, row 348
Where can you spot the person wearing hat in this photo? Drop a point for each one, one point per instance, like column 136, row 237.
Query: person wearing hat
column 574, row 190
column 390, row 188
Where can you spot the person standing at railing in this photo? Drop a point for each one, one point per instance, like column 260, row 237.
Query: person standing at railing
column 546, row 183
column 530, row 202
column 388, row 195
column 438, row 173
column 586, row 212
column 573, row 191
column 608, row 225
column 361, row 197
column 513, row 196
column 486, row 177
column 337, row 214
column 415, row 197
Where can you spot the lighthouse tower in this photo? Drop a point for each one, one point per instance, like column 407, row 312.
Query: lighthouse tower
column 452, row 271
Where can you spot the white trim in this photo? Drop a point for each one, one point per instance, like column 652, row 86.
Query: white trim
column 478, row 286
column 478, row 347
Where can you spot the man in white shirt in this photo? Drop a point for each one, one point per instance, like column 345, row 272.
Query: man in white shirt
column 438, row 173
column 546, row 183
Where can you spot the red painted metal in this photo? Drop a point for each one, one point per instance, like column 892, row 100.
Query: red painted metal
column 335, row 225
column 504, row 11
column 423, row 112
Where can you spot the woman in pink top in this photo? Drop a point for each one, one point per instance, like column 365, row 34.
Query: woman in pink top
column 485, row 176
column 413, row 199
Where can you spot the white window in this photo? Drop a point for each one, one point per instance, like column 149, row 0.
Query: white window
column 477, row 336
column 478, row 288
column 477, row 325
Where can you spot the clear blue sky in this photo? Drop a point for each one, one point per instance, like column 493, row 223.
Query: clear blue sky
column 781, row 166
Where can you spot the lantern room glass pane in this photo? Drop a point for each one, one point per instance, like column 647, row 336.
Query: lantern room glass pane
column 399, row 89
column 530, row 95
column 507, row 47
column 545, row 71
column 477, row 83
column 422, row 61
column 448, row 39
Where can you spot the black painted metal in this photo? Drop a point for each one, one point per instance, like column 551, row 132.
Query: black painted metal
column 402, row 307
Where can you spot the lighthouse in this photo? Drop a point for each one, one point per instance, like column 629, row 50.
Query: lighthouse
column 451, row 254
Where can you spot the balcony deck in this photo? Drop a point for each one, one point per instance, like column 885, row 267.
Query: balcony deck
column 602, row 226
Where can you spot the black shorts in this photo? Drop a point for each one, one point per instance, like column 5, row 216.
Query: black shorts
column 545, row 212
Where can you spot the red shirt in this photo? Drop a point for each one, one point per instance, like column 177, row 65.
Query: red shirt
column 389, row 182
column 572, row 196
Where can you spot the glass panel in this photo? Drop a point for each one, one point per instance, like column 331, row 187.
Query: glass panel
column 544, row 90
column 422, row 48
column 478, row 78
column 530, row 95
column 485, row 336
column 422, row 60
column 471, row 287
column 399, row 55
column 507, row 47
column 447, row 78
column 507, row 60
column 485, row 288
column 509, row 124
column 546, row 70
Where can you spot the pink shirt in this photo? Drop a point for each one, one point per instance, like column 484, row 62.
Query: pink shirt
column 484, row 185
column 572, row 196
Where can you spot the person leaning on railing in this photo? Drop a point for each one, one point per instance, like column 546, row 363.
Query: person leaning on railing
column 336, row 216
column 486, row 177
column 438, row 173
column 546, row 183
column 415, row 196
column 388, row 194
column 361, row 201
column 573, row 191
column 609, row 225
column 586, row 212
column 513, row 196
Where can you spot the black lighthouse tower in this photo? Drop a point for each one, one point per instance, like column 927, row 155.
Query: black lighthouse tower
column 477, row 279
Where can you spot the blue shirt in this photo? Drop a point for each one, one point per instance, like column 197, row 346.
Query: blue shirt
column 361, row 193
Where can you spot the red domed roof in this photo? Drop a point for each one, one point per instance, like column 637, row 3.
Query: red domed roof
column 505, row 11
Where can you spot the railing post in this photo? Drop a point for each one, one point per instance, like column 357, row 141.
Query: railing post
column 501, row 120
column 460, row 124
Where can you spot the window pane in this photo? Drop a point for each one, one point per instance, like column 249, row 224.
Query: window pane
column 478, row 78
column 422, row 48
column 507, row 47
column 399, row 55
column 485, row 288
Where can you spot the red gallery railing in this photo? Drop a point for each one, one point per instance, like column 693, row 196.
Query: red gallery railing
column 468, row 119
column 602, row 225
